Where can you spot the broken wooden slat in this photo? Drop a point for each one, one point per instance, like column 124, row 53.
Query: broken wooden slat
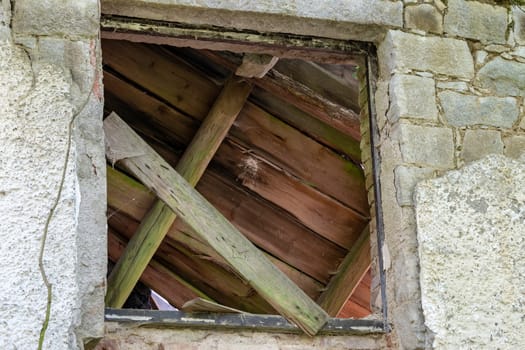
column 191, row 166
column 203, row 305
column 256, row 66
column 123, row 145
column 351, row 271
column 301, row 96
column 321, row 81
column 133, row 200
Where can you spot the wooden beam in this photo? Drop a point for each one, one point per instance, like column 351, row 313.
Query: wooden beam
column 303, row 97
column 352, row 269
column 280, row 45
column 256, row 66
column 126, row 147
column 191, row 166
column 270, row 229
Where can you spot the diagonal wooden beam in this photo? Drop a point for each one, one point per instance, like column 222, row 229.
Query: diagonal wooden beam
column 123, row 145
column 351, row 271
column 191, row 166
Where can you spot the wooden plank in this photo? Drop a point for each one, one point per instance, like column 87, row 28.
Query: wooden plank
column 312, row 162
column 351, row 272
column 156, row 276
column 198, row 270
column 303, row 97
column 255, row 66
column 359, row 303
column 269, row 229
column 319, row 212
column 122, row 145
column 313, row 127
column 322, row 82
column 280, row 45
column 304, row 158
column 202, row 305
column 191, row 166
column 179, row 84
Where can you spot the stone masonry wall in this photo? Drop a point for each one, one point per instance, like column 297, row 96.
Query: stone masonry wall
column 52, row 174
column 451, row 91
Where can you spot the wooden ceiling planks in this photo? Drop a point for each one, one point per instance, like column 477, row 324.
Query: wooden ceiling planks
column 269, row 228
column 173, row 117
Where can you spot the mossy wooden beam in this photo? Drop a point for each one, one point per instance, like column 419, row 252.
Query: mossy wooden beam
column 191, row 166
column 351, row 271
column 123, row 145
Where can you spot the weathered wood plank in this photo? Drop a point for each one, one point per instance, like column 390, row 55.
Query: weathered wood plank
column 303, row 97
column 198, row 270
column 313, row 127
column 268, row 228
column 191, row 166
column 359, row 303
column 306, row 159
column 156, row 276
column 321, row 81
column 351, row 272
column 179, row 84
column 321, row 213
column 202, row 305
column 122, row 145
column 280, row 45
column 255, row 66
column 314, row 164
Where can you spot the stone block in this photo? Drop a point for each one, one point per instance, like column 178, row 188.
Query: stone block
column 522, row 124
column 474, row 20
column 67, row 18
column 406, row 179
column 424, row 17
column 503, row 77
column 479, row 143
column 518, row 16
column 468, row 110
column 426, row 145
column 453, row 85
column 403, row 52
column 471, row 233
column 412, row 97
column 515, row 146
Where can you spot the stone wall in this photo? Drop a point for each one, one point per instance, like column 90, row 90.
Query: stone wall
column 450, row 91
column 52, row 175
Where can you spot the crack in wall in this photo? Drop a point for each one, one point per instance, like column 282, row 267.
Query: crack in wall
column 53, row 209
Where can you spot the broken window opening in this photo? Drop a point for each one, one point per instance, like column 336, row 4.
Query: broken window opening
column 289, row 173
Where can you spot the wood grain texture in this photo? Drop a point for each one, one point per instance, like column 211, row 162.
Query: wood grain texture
column 246, row 259
column 350, row 274
column 191, row 166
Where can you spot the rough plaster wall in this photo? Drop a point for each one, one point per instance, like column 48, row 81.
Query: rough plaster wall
column 45, row 83
column 124, row 337
column 471, row 233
